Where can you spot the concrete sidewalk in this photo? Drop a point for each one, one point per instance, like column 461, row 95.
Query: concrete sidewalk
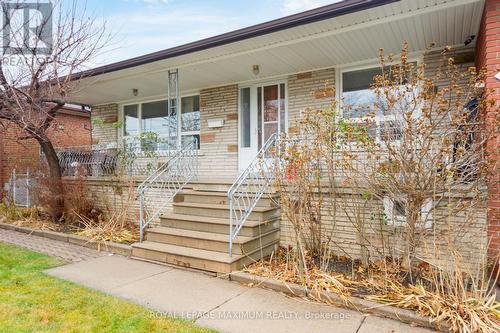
column 218, row 303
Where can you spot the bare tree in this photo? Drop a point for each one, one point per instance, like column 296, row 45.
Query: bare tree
column 37, row 70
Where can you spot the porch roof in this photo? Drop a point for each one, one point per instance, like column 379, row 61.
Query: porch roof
column 347, row 32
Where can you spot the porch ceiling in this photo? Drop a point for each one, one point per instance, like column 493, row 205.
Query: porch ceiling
column 346, row 39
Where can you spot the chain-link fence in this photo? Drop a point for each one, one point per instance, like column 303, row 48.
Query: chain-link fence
column 19, row 189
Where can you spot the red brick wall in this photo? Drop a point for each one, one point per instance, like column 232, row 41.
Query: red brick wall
column 69, row 129
column 488, row 57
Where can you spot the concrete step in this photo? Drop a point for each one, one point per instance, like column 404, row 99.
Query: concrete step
column 208, row 240
column 215, row 225
column 196, row 258
column 215, row 186
column 220, row 198
column 212, row 185
column 222, row 211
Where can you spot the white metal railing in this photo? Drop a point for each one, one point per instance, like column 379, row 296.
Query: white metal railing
column 159, row 189
column 251, row 184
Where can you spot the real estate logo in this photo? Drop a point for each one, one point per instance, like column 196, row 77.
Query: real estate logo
column 27, row 27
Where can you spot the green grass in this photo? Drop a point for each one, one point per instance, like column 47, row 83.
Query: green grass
column 31, row 301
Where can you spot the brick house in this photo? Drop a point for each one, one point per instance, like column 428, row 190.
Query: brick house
column 72, row 127
column 235, row 92
column 488, row 56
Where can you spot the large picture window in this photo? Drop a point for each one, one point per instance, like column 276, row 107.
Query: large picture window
column 358, row 100
column 153, row 117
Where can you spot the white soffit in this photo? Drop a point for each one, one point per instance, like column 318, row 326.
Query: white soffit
column 341, row 40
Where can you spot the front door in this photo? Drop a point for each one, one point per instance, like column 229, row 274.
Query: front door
column 262, row 113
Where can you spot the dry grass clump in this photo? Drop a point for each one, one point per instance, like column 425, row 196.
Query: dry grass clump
column 32, row 217
column 14, row 213
column 113, row 229
column 461, row 313
column 463, row 301
column 449, row 298
column 282, row 267
column 37, row 224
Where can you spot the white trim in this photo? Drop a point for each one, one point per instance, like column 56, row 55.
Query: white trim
column 340, row 70
column 426, row 217
column 271, row 78
column 139, row 103
column 355, row 26
column 254, row 138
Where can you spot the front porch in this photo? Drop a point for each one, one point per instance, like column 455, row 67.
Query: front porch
column 233, row 97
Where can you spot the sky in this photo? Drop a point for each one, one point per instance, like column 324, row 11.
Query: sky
column 143, row 26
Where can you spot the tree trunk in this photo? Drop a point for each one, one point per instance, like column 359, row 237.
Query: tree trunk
column 55, row 178
column 412, row 220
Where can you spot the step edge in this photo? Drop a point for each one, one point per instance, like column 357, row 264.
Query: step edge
column 233, row 259
column 214, row 220
column 237, row 240
column 258, row 209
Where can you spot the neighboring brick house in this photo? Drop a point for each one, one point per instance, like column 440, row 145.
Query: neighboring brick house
column 71, row 128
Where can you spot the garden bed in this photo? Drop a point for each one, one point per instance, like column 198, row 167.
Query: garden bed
column 96, row 228
column 354, row 303
column 383, row 289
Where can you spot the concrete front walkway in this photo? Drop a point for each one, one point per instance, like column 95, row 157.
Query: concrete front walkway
column 218, row 303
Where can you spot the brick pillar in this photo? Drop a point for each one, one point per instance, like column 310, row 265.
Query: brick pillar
column 488, row 57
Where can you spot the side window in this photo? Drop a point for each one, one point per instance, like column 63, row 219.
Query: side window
column 395, row 212
column 190, row 119
column 130, row 120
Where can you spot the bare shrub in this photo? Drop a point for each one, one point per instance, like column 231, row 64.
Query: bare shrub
column 79, row 201
column 110, row 226
column 410, row 189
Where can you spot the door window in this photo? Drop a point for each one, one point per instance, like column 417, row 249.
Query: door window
column 271, row 111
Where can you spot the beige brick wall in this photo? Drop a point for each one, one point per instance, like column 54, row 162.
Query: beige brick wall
column 219, row 146
column 119, row 194
column 104, row 132
column 465, row 230
column 309, row 90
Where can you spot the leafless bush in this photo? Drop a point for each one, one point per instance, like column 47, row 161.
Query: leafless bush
column 409, row 186
column 113, row 226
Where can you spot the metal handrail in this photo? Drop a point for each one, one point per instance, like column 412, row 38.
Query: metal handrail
column 249, row 187
column 159, row 189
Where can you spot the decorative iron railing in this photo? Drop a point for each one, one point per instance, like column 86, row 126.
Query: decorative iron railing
column 88, row 161
column 159, row 189
column 134, row 158
column 251, row 184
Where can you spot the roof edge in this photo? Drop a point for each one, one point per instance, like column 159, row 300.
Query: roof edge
column 291, row 21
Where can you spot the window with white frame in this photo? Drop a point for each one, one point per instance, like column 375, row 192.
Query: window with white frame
column 358, row 100
column 190, row 119
column 153, row 117
column 395, row 212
